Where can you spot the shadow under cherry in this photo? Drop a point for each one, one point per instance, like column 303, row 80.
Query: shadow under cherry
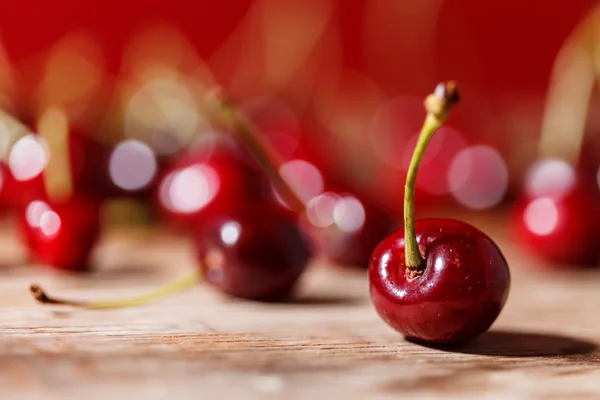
column 521, row 344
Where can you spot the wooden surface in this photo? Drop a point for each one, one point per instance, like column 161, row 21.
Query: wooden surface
column 200, row 345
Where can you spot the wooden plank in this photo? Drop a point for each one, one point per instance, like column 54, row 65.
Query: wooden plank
column 330, row 342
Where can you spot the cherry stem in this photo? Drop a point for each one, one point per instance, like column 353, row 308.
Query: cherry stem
column 228, row 116
column 438, row 106
column 53, row 126
column 179, row 285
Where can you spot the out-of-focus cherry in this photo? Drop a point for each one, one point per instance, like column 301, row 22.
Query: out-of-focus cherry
column 253, row 251
column 558, row 216
column 60, row 224
column 207, row 179
column 61, row 234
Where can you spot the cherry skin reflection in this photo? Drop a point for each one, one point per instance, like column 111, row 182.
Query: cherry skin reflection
column 61, row 234
column 558, row 217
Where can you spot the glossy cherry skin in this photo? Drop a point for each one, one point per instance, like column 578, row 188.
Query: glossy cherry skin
column 61, row 234
column 254, row 252
column 201, row 183
column 461, row 292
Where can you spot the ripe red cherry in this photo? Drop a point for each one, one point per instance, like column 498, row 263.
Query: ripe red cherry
column 207, row 180
column 558, row 217
column 438, row 281
column 254, row 252
column 61, row 234
column 458, row 295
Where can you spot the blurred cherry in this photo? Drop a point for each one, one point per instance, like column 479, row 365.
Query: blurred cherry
column 207, row 179
column 558, row 216
column 253, row 251
column 61, row 234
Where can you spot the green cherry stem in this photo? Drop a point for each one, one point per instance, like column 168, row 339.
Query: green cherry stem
column 179, row 285
column 438, row 106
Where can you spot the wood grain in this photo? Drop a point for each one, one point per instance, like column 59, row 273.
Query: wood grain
column 329, row 342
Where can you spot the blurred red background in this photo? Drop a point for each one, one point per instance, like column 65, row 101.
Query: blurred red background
column 358, row 68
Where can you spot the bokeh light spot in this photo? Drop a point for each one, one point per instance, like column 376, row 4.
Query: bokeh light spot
column 132, row 165
column 28, row 157
column 541, row 216
column 549, row 177
column 478, row 177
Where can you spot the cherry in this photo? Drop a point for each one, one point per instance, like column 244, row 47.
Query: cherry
column 61, row 234
column 558, row 217
column 209, row 178
column 254, row 252
column 59, row 226
column 437, row 281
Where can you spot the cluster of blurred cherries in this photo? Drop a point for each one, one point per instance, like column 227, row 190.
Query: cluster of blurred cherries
column 251, row 194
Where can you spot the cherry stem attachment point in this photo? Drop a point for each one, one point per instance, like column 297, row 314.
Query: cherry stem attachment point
column 226, row 115
column 438, row 105
column 176, row 286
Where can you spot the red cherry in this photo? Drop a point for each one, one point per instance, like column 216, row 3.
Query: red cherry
column 61, row 234
column 254, row 252
column 558, row 217
column 460, row 293
column 205, row 181
column 437, row 281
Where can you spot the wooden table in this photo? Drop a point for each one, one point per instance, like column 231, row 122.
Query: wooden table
column 328, row 343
